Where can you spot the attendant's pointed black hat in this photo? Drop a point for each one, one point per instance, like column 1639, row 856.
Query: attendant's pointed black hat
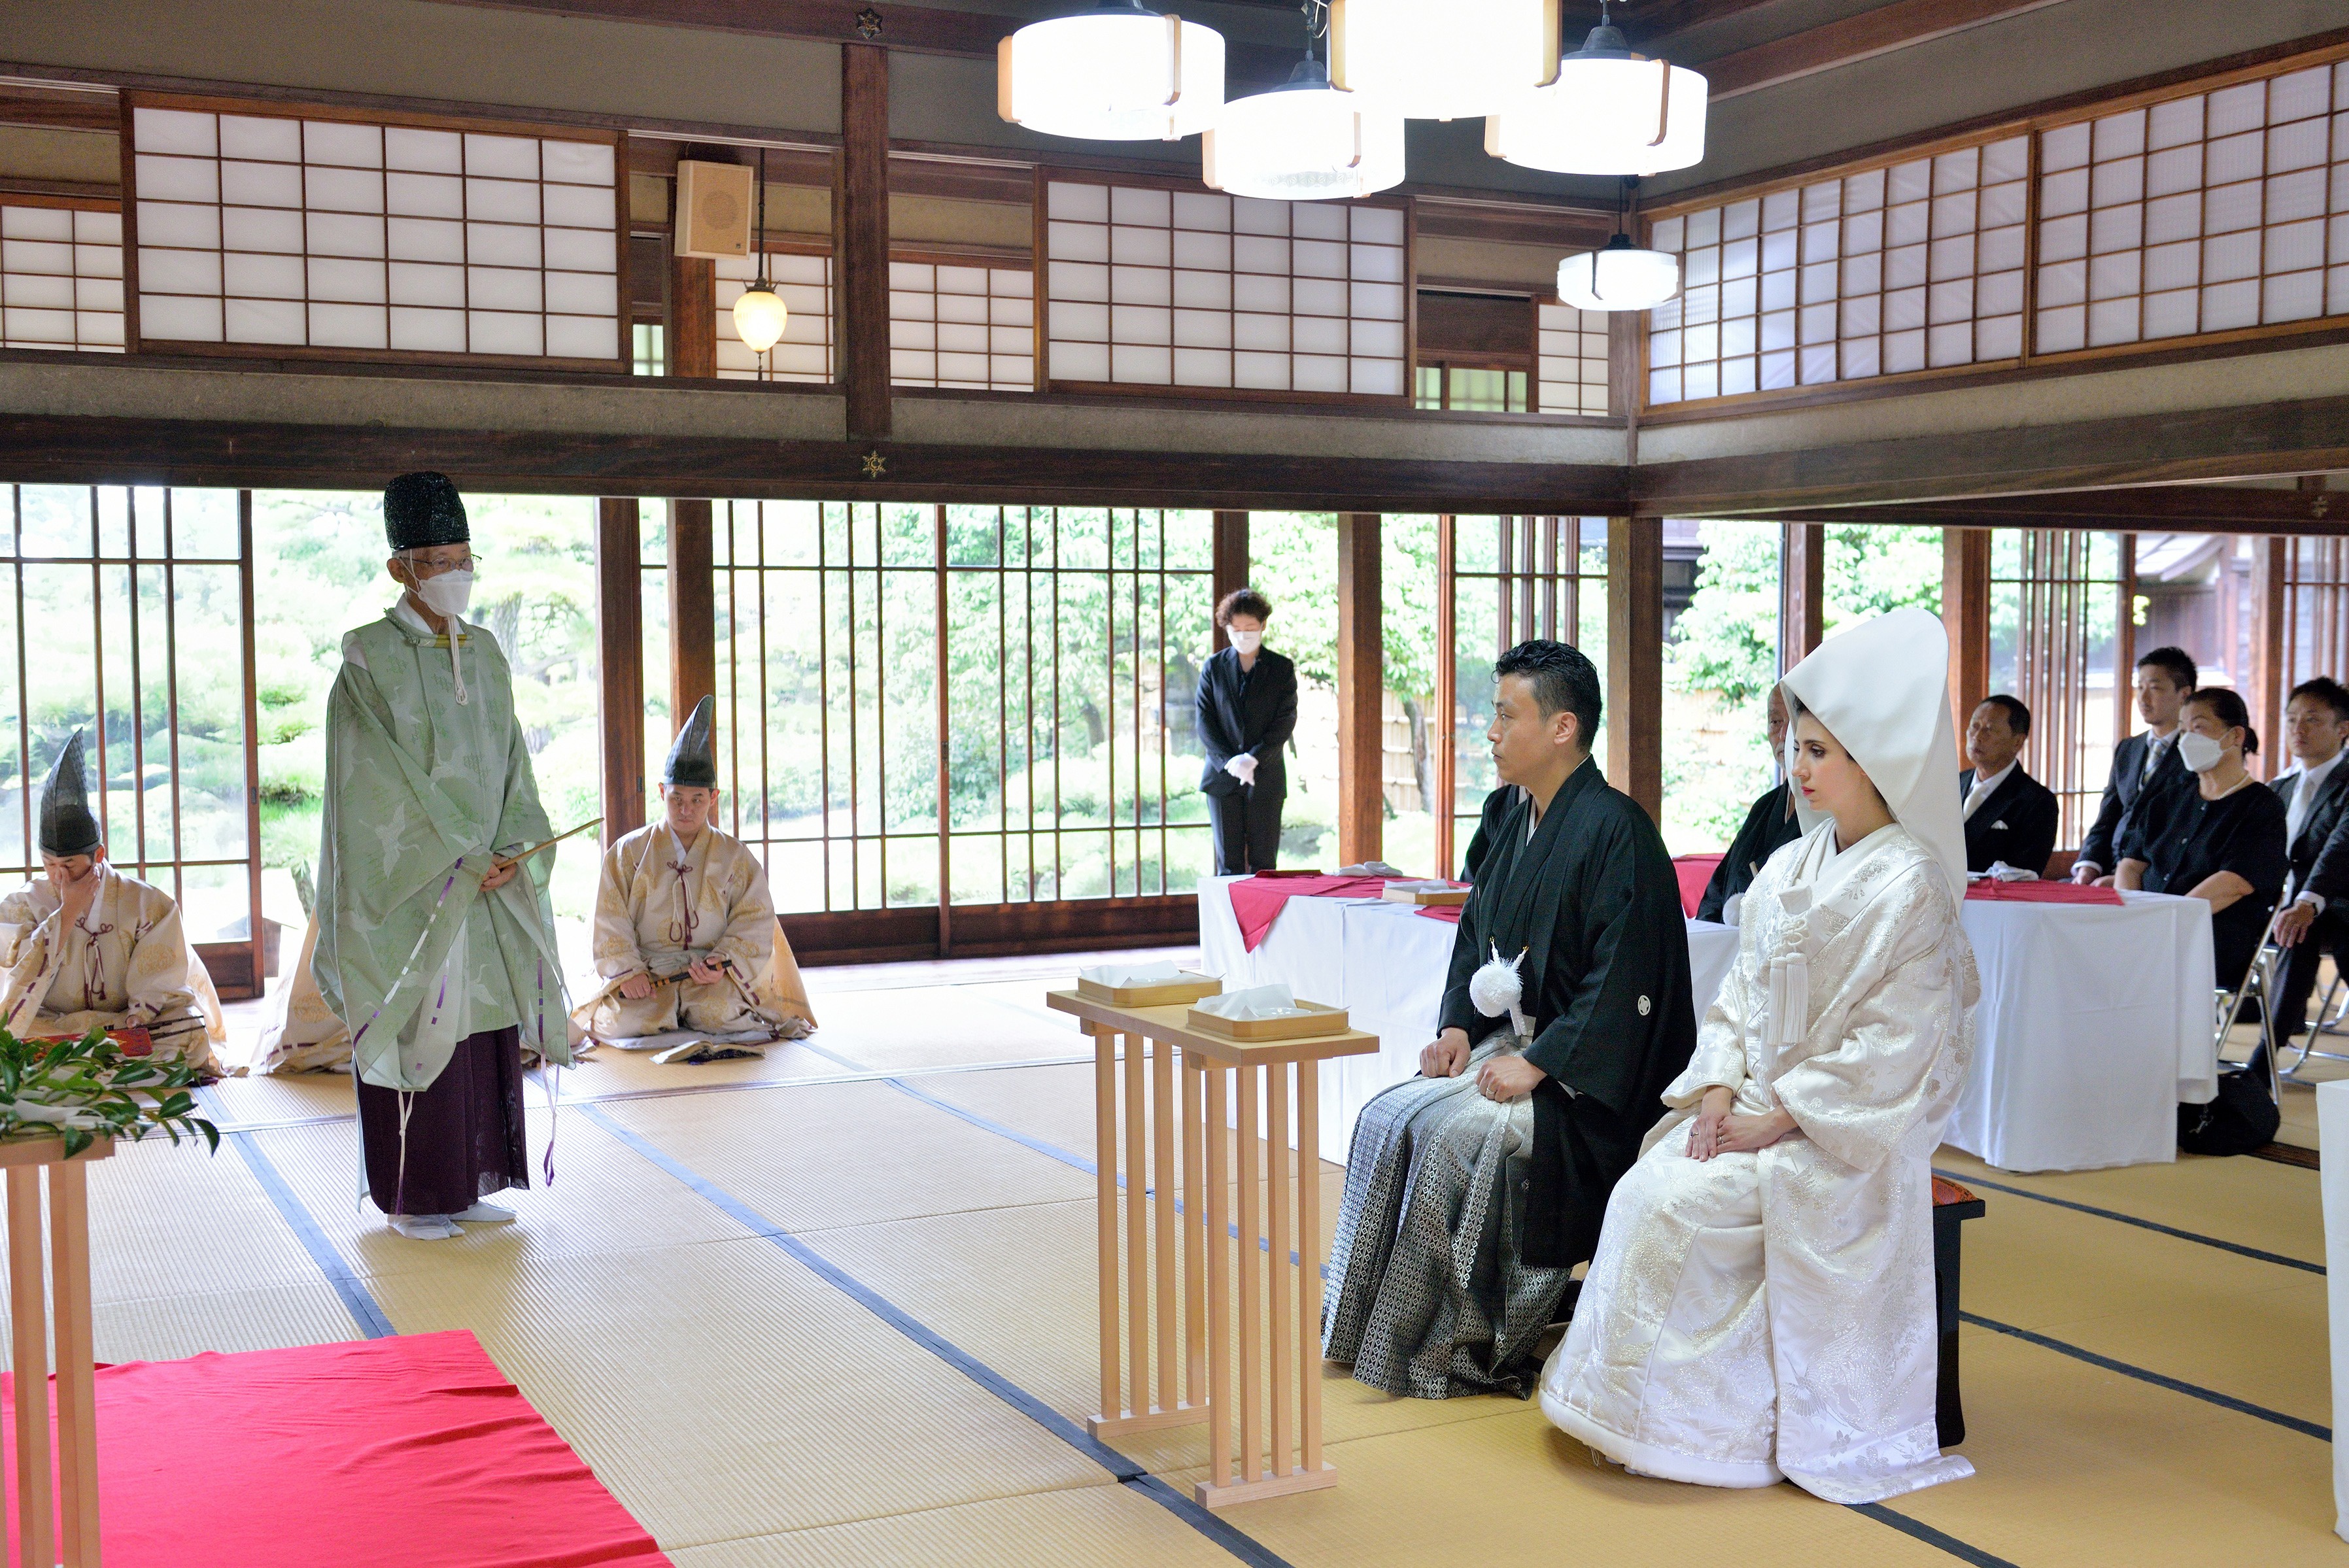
column 66, row 826
column 421, row 510
column 693, row 760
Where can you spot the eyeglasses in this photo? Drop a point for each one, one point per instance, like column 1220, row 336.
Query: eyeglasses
column 423, row 568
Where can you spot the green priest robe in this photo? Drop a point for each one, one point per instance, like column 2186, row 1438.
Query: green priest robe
column 423, row 791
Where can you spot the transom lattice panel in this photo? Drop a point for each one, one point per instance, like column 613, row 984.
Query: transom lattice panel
column 1572, row 349
column 60, row 276
column 803, row 282
column 1147, row 287
column 964, row 326
column 1914, row 265
column 2054, row 643
column 2211, row 213
column 263, row 229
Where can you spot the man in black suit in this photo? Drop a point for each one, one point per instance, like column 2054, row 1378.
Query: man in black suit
column 1248, row 711
column 2009, row 815
column 2143, row 764
column 2316, row 827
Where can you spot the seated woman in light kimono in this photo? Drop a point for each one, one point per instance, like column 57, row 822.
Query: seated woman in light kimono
column 1762, row 1302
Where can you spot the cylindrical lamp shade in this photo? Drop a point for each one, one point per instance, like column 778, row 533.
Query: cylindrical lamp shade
column 1605, row 116
column 1444, row 59
column 1619, row 278
column 1119, row 73
column 759, row 317
column 1304, row 144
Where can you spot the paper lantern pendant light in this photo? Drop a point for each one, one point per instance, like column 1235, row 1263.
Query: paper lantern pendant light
column 1304, row 141
column 1609, row 112
column 1117, row 72
column 1619, row 277
column 760, row 315
column 1444, row 59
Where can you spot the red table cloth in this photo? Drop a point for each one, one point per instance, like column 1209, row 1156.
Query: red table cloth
column 2043, row 892
column 1694, row 871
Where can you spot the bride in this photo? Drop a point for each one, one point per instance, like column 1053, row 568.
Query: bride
column 1762, row 1304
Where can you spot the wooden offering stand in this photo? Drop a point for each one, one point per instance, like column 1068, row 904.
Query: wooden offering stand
column 38, row 1528
column 1221, row 1319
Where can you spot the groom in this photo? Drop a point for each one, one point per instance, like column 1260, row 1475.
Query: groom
column 1473, row 1190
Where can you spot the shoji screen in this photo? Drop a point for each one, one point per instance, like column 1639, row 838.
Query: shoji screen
column 1573, row 361
column 1913, row 265
column 264, row 228
column 2211, row 213
column 803, row 281
column 60, row 275
column 1147, row 287
column 964, row 326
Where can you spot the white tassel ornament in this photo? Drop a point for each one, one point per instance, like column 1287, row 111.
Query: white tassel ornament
column 1498, row 988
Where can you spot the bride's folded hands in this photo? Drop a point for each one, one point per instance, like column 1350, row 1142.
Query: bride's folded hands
column 1744, row 1134
column 1712, row 1116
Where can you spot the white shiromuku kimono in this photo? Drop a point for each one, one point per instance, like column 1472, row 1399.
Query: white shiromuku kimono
column 660, row 907
column 127, row 961
column 1770, row 1314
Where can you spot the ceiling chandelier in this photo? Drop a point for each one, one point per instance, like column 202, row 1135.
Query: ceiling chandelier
column 1305, row 140
column 1619, row 275
column 1117, row 72
column 1606, row 111
column 1444, row 59
column 760, row 315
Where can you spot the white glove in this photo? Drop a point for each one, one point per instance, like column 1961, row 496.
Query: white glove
column 1242, row 767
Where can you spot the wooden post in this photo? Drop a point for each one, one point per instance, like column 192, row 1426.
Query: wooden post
column 1219, row 1275
column 692, row 609
column 1802, row 592
column 28, row 1332
column 620, row 659
column 1230, row 561
column 692, row 346
column 1113, row 1397
column 1440, row 722
column 861, row 250
column 2270, row 679
column 2125, row 644
column 1965, row 611
column 1362, row 684
column 1635, row 660
column 76, row 1387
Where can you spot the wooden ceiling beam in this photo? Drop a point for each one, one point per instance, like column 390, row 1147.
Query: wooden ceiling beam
column 2150, row 509
column 1900, row 25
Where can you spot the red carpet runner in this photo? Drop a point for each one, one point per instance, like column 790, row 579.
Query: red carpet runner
column 412, row 1451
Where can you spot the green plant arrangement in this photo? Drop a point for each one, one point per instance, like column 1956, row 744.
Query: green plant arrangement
column 82, row 1090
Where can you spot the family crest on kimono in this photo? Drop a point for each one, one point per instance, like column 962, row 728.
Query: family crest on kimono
column 85, row 948
column 685, row 935
column 1473, row 1190
column 1762, row 1304
column 435, row 947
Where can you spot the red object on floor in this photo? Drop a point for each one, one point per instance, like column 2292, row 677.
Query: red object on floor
column 1257, row 901
column 2043, row 891
column 408, row 1452
column 1694, row 871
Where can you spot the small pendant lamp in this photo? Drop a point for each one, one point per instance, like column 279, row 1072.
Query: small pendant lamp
column 1606, row 111
column 1117, row 72
column 760, row 315
column 1620, row 276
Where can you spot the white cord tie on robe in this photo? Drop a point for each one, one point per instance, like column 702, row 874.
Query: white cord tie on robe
column 1790, row 972
column 457, row 670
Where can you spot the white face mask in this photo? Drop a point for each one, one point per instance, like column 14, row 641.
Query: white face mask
column 2198, row 752
column 447, row 594
column 1248, row 642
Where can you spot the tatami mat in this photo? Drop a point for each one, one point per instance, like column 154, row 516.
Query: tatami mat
column 900, row 1391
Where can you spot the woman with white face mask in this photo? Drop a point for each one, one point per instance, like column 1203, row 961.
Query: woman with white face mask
column 2224, row 842
column 1248, row 710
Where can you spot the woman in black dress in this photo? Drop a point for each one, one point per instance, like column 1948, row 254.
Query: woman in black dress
column 1248, row 710
column 2224, row 841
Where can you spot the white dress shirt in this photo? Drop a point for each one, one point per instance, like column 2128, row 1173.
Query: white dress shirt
column 1985, row 787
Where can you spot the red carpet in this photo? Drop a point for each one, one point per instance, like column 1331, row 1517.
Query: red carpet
column 412, row 1451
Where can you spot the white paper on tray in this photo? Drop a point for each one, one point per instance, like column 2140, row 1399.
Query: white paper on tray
column 1117, row 975
column 1436, row 885
column 1257, row 1002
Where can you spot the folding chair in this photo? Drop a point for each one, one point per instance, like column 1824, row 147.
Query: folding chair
column 2325, row 1018
column 2259, row 981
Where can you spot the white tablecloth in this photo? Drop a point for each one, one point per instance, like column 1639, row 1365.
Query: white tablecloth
column 2333, row 1144
column 2094, row 1023
column 1385, row 964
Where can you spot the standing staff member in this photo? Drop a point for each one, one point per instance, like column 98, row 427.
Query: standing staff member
column 438, row 953
column 1248, row 711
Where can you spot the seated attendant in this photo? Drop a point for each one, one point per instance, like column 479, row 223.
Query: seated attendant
column 1762, row 1306
column 2147, row 761
column 88, row 948
column 2009, row 815
column 1769, row 823
column 685, row 933
column 2224, row 842
column 2316, row 797
column 1473, row 1190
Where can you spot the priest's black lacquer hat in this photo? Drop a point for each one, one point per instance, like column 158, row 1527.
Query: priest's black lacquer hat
column 66, row 826
column 421, row 510
column 693, row 760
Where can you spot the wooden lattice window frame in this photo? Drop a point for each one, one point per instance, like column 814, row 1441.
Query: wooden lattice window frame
column 993, row 304
column 92, row 273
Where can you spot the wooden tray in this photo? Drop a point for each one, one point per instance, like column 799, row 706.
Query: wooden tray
column 1293, row 874
column 1426, row 895
column 1186, row 987
column 1317, row 1020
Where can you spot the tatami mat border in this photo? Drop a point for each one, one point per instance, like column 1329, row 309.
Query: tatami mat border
column 2225, row 1246
column 362, row 1307
column 2158, row 1379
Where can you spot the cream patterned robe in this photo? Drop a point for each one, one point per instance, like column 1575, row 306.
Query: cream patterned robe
column 1772, row 1312
column 659, row 907
column 125, row 963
